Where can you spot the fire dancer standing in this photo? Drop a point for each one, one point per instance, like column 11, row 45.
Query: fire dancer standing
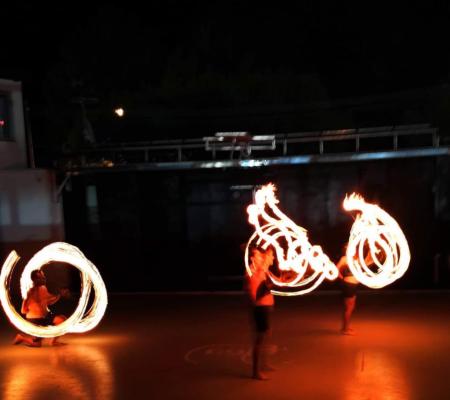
column 258, row 288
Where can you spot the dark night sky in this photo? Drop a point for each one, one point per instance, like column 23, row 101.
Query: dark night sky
column 202, row 54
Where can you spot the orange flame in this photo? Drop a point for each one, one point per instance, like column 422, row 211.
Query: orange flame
column 79, row 321
column 306, row 265
column 377, row 237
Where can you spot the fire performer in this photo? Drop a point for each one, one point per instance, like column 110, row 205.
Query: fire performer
column 349, row 287
column 258, row 288
column 35, row 309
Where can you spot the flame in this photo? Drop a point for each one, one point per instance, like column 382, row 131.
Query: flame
column 377, row 237
column 79, row 321
column 305, row 265
column 353, row 201
column 120, row 112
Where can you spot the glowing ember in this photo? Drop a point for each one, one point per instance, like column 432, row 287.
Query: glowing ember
column 377, row 234
column 301, row 266
column 80, row 320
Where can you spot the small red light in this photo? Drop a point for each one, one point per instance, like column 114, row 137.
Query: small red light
column 2, row 122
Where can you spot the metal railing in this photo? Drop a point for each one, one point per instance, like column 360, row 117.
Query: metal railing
column 358, row 135
column 317, row 143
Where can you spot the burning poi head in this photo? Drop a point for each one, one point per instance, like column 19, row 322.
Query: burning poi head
column 377, row 237
column 80, row 320
column 301, row 267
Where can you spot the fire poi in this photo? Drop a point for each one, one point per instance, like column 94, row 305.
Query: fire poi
column 80, row 320
column 302, row 267
column 376, row 232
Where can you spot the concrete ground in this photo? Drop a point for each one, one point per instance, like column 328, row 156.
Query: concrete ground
column 159, row 346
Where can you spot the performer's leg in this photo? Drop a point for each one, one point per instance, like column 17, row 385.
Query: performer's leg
column 30, row 341
column 58, row 319
column 349, row 306
column 257, row 355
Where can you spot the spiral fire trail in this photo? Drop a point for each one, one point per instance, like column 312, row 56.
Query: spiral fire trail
column 80, row 320
column 306, row 264
column 377, row 234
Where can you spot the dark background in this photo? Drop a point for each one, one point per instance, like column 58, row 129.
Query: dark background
column 183, row 230
column 184, row 69
column 190, row 69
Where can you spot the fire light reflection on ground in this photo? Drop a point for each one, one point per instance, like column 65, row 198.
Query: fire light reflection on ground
column 79, row 369
column 180, row 346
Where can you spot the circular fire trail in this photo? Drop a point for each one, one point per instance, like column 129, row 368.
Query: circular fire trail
column 80, row 320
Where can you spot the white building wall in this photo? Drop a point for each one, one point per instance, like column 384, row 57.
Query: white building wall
column 29, row 209
column 30, row 214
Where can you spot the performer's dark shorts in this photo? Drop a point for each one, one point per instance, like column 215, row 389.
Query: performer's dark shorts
column 261, row 315
column 349, row 289
column 46, row 321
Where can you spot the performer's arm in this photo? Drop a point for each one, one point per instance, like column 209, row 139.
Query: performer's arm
column 250, row 287
column 369, row 260
column 24, row 308
column 342, row 263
